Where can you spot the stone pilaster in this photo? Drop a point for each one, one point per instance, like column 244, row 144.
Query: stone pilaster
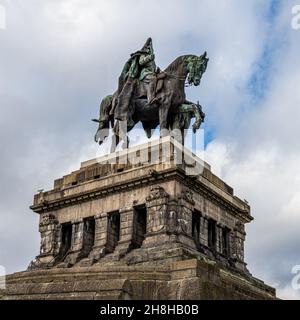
column 185, row 217
column 232, row 248
column 100, row 242
column 219, row 238
column 126, row 232
column 57, row 240
column 203, row 231
column 238, row 238
column 77, row 235
column 49, row 230
column 157, row 212
column 88, row 237
column 77, row 242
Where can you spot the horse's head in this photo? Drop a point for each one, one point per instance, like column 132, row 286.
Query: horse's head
column 196, row 67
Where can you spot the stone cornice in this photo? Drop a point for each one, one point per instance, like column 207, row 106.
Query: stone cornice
column 145, row 180
column 199, row 187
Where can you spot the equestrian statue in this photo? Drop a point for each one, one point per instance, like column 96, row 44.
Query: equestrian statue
column 153, row 97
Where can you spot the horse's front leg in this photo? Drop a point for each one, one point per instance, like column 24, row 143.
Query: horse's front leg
column 163, row 120
column 195, row 110
column 125, row 144
column 121, row 130
column 114, row 143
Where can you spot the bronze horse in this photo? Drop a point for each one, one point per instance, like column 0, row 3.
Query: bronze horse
column 170, row 103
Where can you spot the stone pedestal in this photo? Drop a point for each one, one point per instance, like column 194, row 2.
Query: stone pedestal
column 191, row 279
column 152, row 206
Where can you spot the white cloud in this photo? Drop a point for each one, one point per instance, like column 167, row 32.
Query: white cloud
column 260, row 158
column 270, row 182
column 288, row 293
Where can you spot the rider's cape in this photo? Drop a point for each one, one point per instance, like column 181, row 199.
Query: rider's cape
column 131, row 68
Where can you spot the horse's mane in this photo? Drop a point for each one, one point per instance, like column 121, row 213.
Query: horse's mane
column 173, row 66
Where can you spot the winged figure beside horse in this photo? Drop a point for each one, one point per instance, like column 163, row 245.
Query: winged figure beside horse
column 153, row 97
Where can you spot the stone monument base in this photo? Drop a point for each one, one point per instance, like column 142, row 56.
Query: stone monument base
column 194, row 279
column 149, row 222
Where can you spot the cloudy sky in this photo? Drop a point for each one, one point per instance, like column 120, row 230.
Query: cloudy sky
column 58, row 58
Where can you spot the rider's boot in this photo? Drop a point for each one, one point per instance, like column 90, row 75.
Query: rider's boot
column 151, row 92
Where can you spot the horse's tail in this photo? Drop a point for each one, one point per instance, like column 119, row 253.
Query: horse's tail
column 105, row 108
column 104, row 117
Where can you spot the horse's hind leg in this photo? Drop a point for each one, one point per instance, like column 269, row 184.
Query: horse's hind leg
column 120, row 133
column 123, row 130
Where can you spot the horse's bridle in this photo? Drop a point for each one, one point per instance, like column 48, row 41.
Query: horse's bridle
column 174, row 76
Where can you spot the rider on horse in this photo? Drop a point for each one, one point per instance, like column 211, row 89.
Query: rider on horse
column 140, row 67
